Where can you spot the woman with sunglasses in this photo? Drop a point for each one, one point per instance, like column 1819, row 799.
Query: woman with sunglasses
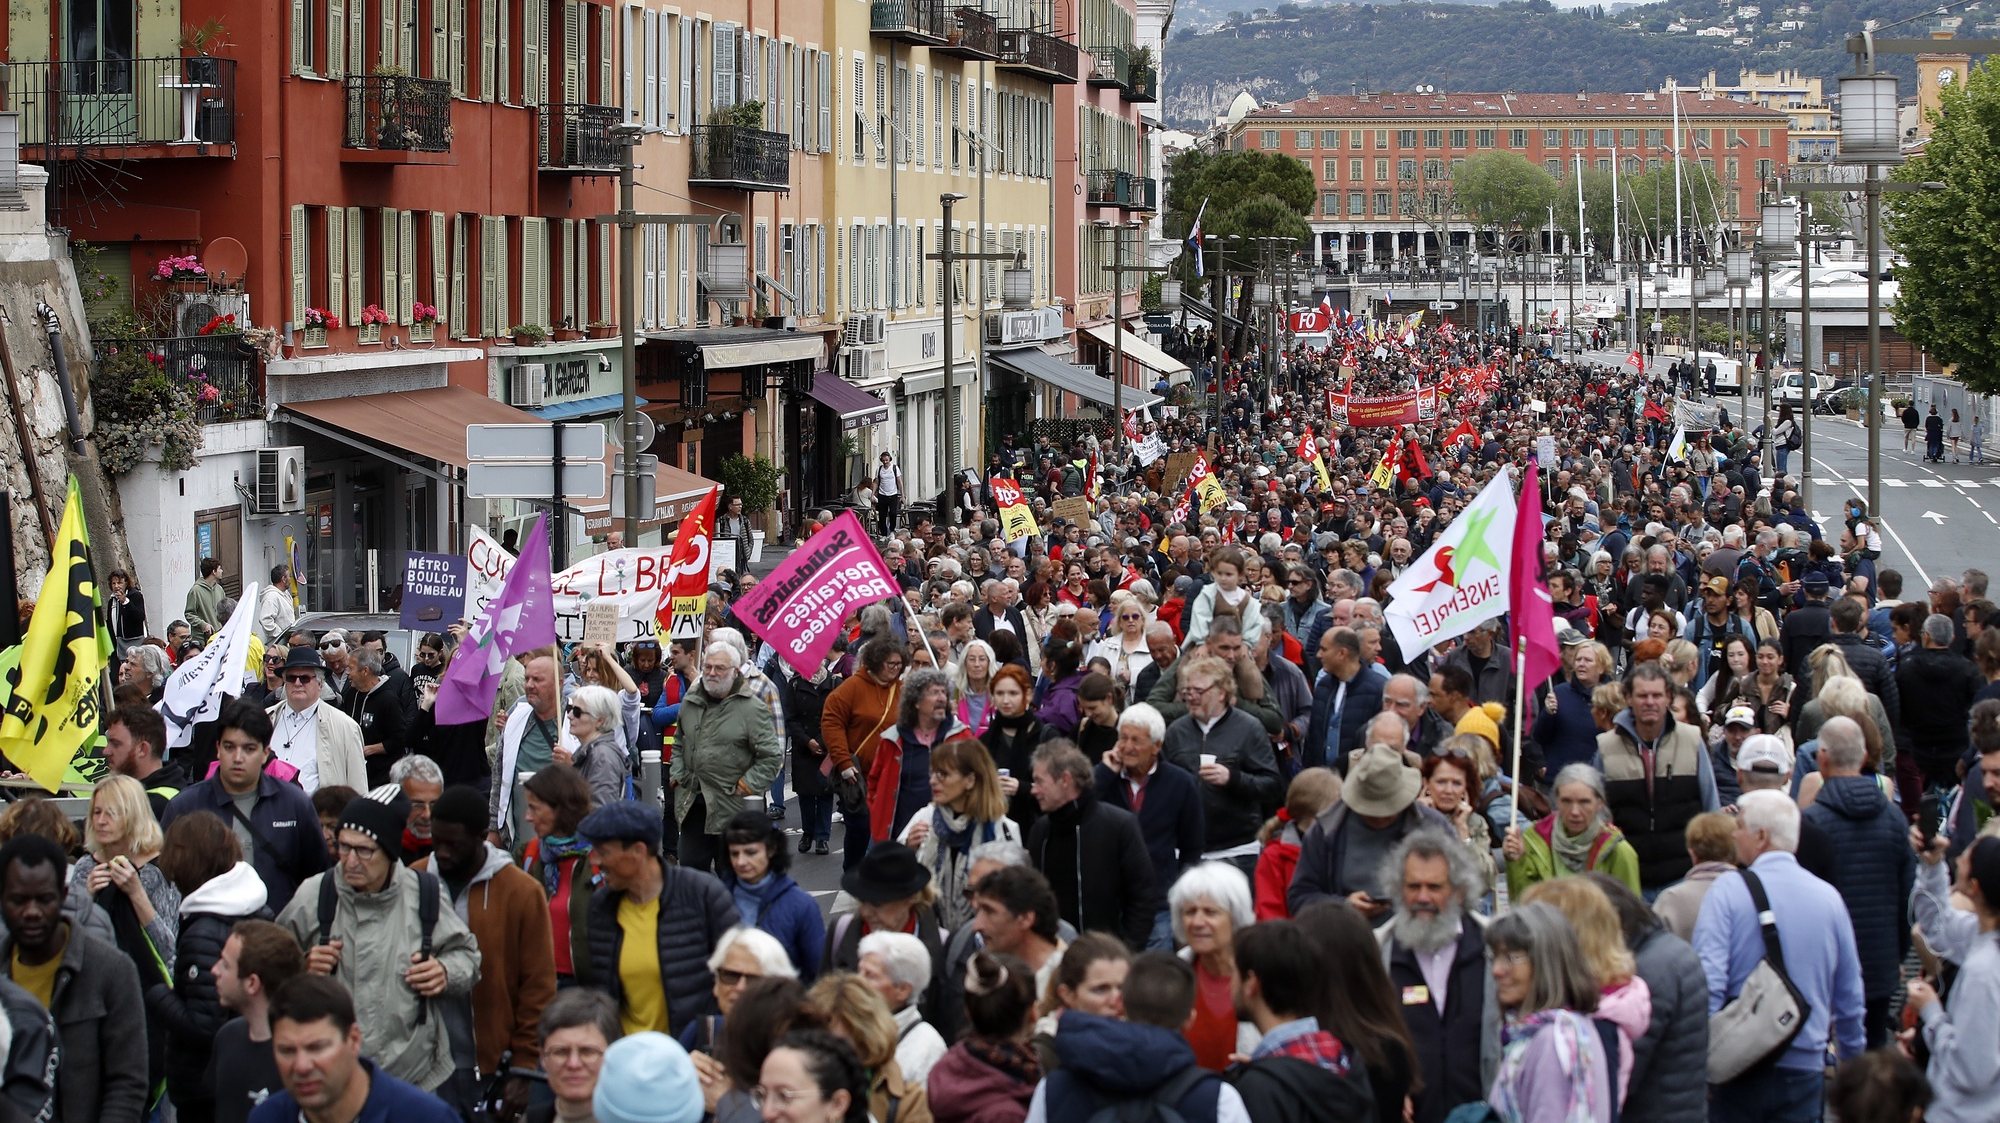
column 1125, row 646
column 593, row 721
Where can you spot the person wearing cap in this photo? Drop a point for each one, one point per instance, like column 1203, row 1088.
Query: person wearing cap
column 373, row 943
column 1876, row 870
column 1711, row 628
column 647, row 1078
column 1348, row 847
column 1807, row 626
column 653, row 926
column 311, row 734
column 1576, row 837
column 1657, row 775
column 1820, row 961
column 1739, row 724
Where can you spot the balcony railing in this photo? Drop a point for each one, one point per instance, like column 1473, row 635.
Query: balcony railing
column 1110, row 66
column 398, row 113
column 124, row 102
column 219, row 369
column 1038, row 54
column 1144, row 84
column 577, row 137
column 972, row 34
column 740, row 157
column 1108, row 188
column 1142, row 193
column 910, row 21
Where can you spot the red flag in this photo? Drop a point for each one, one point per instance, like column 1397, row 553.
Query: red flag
column 1464, row 430
column 1534, row 616
column 1655, row 411
column 1636, row 360
column 684, row 589
column 1412, row 466
column 1308, row 448
column 1132, row 426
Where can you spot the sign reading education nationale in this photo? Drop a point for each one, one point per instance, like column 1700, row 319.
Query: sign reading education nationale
column 800, row 607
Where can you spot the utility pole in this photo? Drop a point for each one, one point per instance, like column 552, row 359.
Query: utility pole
column 948, row 260
column 1119, row 271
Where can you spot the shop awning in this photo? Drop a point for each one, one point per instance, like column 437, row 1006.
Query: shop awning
column 675, row 492
column 583, row 407
column 856, row 408
column 1140, row 351
column 1035, row 363
column 427, row 423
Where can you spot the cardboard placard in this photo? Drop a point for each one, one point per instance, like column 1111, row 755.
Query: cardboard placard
column 1075, row 509
column 1179, row 464
column 600, row 622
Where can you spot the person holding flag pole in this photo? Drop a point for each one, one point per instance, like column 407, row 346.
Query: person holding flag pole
column 1537, row 655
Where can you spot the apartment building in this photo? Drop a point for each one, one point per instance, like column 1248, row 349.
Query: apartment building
column 1813, row 134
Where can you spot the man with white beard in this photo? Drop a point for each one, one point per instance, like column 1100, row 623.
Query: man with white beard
column 1435, row 950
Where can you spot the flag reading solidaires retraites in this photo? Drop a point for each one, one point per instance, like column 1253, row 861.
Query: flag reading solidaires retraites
column 1462, row 580
column 799, row 608
column 53, row 707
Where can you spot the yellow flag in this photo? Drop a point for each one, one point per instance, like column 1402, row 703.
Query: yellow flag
column 1385, row 472
column 1325, row 481
column 54, row 708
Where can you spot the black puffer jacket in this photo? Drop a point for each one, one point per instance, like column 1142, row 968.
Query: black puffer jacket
column 1676, row 1040
column 695, row 910
column 189, row 1013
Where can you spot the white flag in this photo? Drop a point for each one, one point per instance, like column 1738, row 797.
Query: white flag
column 197, row 688
column 1677, row 449
column 1462, row 579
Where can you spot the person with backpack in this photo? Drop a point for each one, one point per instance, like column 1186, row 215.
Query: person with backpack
column 1141, row 1068
column 1299, row 1071
column 1788, row 438
column 380, row 927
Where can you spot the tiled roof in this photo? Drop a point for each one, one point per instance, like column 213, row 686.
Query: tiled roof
column 1504, row 106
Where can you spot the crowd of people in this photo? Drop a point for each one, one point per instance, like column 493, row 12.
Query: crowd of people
column 1149, row 811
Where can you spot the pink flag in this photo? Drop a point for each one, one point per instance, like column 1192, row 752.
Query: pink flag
column 521, row 618
column 1534, row 616
column 800, row 607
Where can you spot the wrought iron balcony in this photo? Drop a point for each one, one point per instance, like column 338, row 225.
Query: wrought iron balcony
column 1110, row 66
column 972, row 34
column 397, row 113
column 220, row 370
column 1108, row 188
column 181, row 105
column 1142, row 193
column 1144, row 85
column 577, row 138
column 910, row 21
column 740, row 157
column 1038, row 54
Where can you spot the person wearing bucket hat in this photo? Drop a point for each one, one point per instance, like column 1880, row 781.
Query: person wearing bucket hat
column 647, row 1078
column 1345, row 851
column 892, row 891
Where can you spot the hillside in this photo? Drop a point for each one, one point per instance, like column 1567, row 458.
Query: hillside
column 1294, row 50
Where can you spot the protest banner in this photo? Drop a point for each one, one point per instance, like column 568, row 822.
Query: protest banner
column 434, row 590
column 1017, row 521
column 800, row 607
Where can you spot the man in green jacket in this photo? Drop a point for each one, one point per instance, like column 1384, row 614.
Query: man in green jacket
column 725, row 750
column 204, row 601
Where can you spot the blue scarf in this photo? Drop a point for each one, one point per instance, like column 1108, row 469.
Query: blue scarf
column 553, row 850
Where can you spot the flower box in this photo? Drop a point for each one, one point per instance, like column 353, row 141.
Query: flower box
column 425, row 332
column 313, row 337
column 368, row 333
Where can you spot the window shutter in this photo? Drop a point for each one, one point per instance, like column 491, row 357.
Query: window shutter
column 391, row 294
column 336, row 261
column 385, row 43
column 881, row 111
column 406, row 259
column 604, row 36
column 686, row 119
column 649, row 99
column 917, row 118
column 406, row 36
column 606, row 308
column 336, row 38
column 356, row 258
column 489, row 287
column 809, row 114
column 534, row 46
column 573, row 74
column 440, row 265
column 649, row 276
column 489, row 37
column 300, row 63
column 669, row 109
column 534, row 269
column 722, row 45
column 503, row 57
column 357, row 47
column 774, row 90
column 456, row 49
column 567, row 232
column 456, row 318
column 825, row 101
column 441, row 40
column 632, row 61
column 301, row 250
column 502, row 251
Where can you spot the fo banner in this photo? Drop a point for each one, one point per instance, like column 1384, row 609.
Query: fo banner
column 800, row 607
column 1016, row 520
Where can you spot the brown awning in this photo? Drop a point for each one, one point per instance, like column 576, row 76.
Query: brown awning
column 427, row 423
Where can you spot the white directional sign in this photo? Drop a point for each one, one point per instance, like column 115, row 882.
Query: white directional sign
column 1934, row 517
column 581, row 479
column 534, row 441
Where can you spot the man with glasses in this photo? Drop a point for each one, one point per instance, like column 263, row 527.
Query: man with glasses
column 312, row 735
column 371, row 936
column 274, row 820
column 333, row 649
column 1230, row 752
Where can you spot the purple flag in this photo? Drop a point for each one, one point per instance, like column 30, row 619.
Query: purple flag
column 521, row 618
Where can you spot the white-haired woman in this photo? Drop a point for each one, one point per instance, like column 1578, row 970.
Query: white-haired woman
column 972, row 685
column 1577, row 837
column 593, row 713
column 1211, row 903
column 741, row 957
column 1124, row 646
column 1552, row 1063
column 898, row 966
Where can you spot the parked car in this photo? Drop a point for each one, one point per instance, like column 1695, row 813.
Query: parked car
column 1791, row 386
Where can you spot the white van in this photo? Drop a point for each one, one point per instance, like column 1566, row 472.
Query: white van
column 1728, row 375
column 1314, row 340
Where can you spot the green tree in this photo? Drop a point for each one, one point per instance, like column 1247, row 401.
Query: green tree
column 1503, row 191
column 1950, row 239
column 1248, row 195
column 1649, row 201
column 1597, row 205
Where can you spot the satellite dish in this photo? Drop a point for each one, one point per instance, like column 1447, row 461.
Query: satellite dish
column 614, row 432
column 227, row 260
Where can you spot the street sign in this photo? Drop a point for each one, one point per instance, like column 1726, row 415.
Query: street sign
column 648, row 429
column 1444, row 305
column 648, row 468
column 581, row 479
column 535, row 441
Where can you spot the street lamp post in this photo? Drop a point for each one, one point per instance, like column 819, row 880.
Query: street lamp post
column 1869, row 136
column 1736, row 265
column 948, row 259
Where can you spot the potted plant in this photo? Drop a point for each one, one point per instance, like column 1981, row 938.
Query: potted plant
column 200, row 42
column 317, row 321
column 568, row 334
column 755, row 480
column 184, row 271
column 372, row 319
column 423, row 322
column 601, row 329
column 529, row 335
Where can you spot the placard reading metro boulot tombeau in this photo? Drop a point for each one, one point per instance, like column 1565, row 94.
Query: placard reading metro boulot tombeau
column 800, row 607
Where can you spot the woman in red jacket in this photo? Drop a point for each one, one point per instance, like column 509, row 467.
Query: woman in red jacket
column 1312, row 792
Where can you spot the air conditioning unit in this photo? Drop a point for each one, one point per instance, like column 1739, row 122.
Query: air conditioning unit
column 526, row 382
column 854, row 365
column 875, row 327
column 852, row 329
column 196, row 309
column 281, row 481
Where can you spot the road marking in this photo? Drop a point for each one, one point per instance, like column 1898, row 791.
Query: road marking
column 1926, row 483
column 1897, row 483
column 1826, row 481
column 1933, row 516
